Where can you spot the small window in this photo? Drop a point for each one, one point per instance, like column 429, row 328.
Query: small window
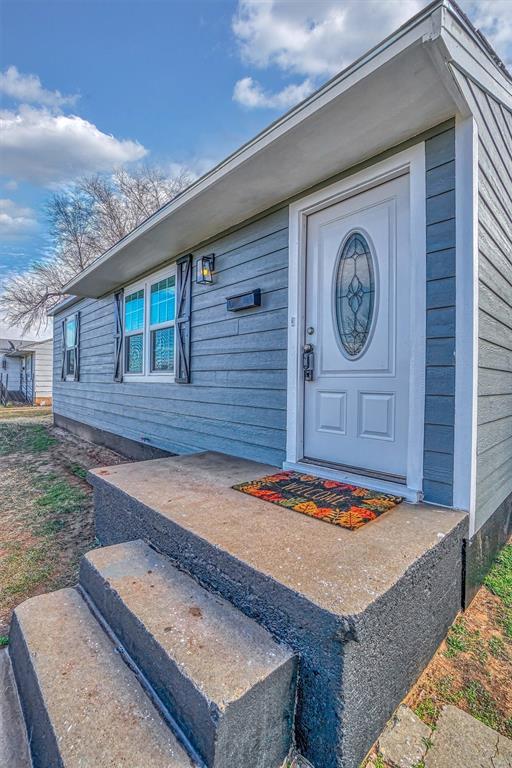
column 71, row 343
column 162, row 309
column 149, row 313
column 134, row 332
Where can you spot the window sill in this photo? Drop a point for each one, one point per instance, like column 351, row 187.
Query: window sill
column 154, row 378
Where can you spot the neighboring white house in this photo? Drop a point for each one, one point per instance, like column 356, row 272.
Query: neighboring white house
column 26, row 371
column 10, row 367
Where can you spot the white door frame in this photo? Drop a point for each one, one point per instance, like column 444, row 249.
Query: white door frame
column 412, row 162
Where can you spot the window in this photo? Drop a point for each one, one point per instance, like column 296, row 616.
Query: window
column 70, row 343
column 149, row 311
column 355, row 294
column 161, row 321
column 134, row 332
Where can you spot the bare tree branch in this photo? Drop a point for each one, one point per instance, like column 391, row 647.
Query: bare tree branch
column 84, row 221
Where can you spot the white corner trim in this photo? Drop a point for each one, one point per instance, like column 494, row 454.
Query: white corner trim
column 466, row 317
column 418, row 315
column 412, row 162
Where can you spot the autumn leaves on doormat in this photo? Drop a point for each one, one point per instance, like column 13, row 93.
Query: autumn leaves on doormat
column 338, row 503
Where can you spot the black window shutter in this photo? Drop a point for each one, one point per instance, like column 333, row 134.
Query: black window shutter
column 118, row 336
column 77, row 347
column 182, row 322
column 63, row 369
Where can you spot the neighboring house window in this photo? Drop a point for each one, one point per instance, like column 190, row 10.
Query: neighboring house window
column 70, row 343
column 149, row 313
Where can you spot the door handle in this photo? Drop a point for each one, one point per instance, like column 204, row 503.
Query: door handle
column 308, row 362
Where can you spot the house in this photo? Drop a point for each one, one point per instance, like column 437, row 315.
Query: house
column 9, row 366
column 333, row 298
column 26, row 371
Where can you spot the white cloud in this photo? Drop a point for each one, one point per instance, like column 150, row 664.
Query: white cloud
column 494, row 19
column 250, row 93
column 318, row 38
column 15, row 220
column 43, row 147
column 29, row 90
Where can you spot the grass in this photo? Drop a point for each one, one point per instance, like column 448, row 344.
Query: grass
column 23, row 568
column 462, row 640
column 46, row 519
column 78, row 471
column 24, row 438
column 13, row 411
column 36, row 557
column 427, row 710
column 499, row 578
column 497, row 648
column 4, row 640
column 58, row 500
column 480, row 704
column 499, row 582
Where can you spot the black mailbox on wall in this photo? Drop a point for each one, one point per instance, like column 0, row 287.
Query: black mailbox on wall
column 244, row 300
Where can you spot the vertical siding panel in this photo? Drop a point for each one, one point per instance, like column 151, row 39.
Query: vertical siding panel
column 494, row 436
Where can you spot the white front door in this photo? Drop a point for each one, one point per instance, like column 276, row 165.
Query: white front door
column 357, row 323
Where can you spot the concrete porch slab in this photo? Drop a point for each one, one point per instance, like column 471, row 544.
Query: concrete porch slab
column 364, row 610
column 356, row 567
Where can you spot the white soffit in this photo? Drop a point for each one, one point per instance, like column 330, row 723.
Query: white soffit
column 390, row 95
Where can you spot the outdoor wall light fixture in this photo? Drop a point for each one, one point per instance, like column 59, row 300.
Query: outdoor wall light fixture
column 204, row 269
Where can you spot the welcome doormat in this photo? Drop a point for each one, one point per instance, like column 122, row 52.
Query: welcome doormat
column 338, row 503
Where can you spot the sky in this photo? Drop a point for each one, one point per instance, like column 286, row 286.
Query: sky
column 90, row 85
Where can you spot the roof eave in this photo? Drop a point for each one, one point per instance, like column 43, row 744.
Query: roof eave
column 426, row 23
column 165, row 235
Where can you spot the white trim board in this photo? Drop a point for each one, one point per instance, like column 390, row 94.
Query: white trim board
column 411, row 161
column 466, row 317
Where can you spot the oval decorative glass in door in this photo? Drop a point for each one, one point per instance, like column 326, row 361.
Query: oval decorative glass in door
column 355, row 294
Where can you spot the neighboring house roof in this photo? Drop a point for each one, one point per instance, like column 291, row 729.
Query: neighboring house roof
column 19, row 347
column 7, row 345
column 33, row 346
column 397, row 90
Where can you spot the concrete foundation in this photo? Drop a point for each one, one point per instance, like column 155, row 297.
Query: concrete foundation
column 132, row 449
column 364, row 610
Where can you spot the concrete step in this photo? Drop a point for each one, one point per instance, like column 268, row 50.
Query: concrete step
column 14, row 751
column 83, row 707
column 227, row 683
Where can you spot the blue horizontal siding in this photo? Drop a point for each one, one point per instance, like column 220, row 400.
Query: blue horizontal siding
column 236, row 402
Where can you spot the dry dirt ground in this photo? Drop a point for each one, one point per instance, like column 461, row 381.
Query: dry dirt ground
column 46, row 520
